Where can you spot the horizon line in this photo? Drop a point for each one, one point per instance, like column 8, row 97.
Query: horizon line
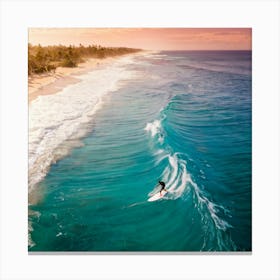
column 87, row 45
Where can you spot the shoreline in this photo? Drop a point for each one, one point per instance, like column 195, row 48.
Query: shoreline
column 53, row 82
column 63, row 118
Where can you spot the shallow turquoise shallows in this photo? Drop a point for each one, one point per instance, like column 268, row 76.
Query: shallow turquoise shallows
column 184, row 118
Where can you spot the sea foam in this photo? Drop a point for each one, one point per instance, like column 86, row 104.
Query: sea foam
column 178, row 179
column 153, row 127
column 57, row 122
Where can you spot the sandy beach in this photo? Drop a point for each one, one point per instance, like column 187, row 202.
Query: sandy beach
column 54, row 81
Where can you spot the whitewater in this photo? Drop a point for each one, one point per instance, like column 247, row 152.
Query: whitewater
column 57, row 122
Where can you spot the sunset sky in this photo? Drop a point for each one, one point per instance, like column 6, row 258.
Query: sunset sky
column 147, row 38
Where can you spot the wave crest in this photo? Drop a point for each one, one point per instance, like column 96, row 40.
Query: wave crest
column 179, row 181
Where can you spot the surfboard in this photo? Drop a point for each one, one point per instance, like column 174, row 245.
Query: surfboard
column 157, row 196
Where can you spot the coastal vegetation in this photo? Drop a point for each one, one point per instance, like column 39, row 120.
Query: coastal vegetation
column 47, row 58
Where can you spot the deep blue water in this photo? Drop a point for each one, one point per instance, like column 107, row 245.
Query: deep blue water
column 186, row 119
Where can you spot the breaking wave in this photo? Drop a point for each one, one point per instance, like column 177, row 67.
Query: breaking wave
column 180, row 184
column 57, row 122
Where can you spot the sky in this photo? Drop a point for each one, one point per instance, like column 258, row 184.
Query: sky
column 147, row 38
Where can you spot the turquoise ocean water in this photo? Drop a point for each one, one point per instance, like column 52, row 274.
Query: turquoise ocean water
column 184, row 117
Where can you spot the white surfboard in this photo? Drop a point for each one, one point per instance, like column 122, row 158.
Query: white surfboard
column 158, row 196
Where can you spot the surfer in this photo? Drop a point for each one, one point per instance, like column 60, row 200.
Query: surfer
column 162, row 186
column 158, row 195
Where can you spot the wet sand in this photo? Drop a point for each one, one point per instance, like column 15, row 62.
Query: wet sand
column 52, row 82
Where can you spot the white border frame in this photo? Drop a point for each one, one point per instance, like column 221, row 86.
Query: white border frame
column 17, row 16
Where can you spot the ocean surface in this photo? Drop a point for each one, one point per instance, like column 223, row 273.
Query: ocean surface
column 98, row 148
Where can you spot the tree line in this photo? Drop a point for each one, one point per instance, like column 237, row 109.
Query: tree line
column 47, row 58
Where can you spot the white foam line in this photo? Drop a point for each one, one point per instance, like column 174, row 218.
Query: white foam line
column 174, row 164
column 58, row 121
column 220, row 223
